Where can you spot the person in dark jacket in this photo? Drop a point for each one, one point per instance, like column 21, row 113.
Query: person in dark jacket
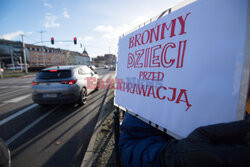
column 221, row 145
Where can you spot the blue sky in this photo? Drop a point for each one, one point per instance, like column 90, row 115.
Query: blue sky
column 97, row 24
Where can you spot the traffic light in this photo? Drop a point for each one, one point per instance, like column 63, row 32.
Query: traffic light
column 52, row 41
column 75, row 41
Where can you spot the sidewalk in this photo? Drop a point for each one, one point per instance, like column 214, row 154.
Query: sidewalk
column 12, row 74
column 100, row 152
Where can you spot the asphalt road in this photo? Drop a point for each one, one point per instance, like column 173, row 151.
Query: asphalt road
column 52, row 136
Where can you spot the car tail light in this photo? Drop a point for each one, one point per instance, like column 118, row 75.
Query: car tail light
column 70, row 82
column 34, row 83
column 53, row 70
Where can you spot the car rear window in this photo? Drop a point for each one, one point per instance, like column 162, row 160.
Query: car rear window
column 54, row 74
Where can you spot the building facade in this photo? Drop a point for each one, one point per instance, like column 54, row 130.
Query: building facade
column 107, row 59
column 40, row 55
column 45, row 56
column 11, row 54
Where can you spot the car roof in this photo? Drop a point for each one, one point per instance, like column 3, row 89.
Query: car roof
column 64, row 67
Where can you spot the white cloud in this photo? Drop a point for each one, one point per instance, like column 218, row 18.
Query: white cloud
column 103, row 28
column 88, row 38
column 140, row 19
column 79, row 38
column 50, row 21
column 65, row 13
column 112, row 32
column 29, row 33
column 13, row 35
column 47, row 5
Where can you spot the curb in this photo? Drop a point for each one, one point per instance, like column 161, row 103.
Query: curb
column 86, row 162
column 24, row 76
column 28, row 76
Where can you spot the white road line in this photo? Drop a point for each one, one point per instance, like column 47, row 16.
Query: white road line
column 21, row 86
column 17, row 99
column 2, row 105
column 12, row 91
column 105, row 77
column 14, row 86
column 17, row 114
column 13, row 138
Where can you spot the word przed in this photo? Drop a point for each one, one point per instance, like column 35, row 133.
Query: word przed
column 154, row 76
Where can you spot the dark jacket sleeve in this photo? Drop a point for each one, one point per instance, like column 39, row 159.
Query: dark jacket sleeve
column 221, row 145
column 140, row 144
column 234, row 132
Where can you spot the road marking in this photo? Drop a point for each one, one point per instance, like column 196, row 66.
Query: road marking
column 12, row 92
column 16, row 136
column 17, row 99
column 17, row 114
column 105, row 77
column 21, row 86
column 14, row 86
column 2, row 105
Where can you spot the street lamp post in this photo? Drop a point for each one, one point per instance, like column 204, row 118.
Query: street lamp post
column 42, row 46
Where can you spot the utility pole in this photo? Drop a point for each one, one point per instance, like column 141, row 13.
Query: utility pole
column 21, row 63
column 24, row 56
column 12, row 59
column 42, row 46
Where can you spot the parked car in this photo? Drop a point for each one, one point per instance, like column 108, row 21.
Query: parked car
column 63, row 84
column 106, row 66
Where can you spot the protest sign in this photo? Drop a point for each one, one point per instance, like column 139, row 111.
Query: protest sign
column 184, row 70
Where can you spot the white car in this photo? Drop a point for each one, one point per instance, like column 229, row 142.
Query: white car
column 63, row 84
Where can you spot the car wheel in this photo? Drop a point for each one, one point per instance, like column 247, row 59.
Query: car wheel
column 82, row 98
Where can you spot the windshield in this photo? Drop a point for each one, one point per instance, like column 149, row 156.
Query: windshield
column 59, row 74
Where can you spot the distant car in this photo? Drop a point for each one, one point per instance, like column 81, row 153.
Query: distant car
column 63, row 84
column 92, row 67
column 14, row 68
column 106, row 66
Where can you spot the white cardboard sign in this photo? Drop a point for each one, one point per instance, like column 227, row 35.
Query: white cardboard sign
column 184, row 70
